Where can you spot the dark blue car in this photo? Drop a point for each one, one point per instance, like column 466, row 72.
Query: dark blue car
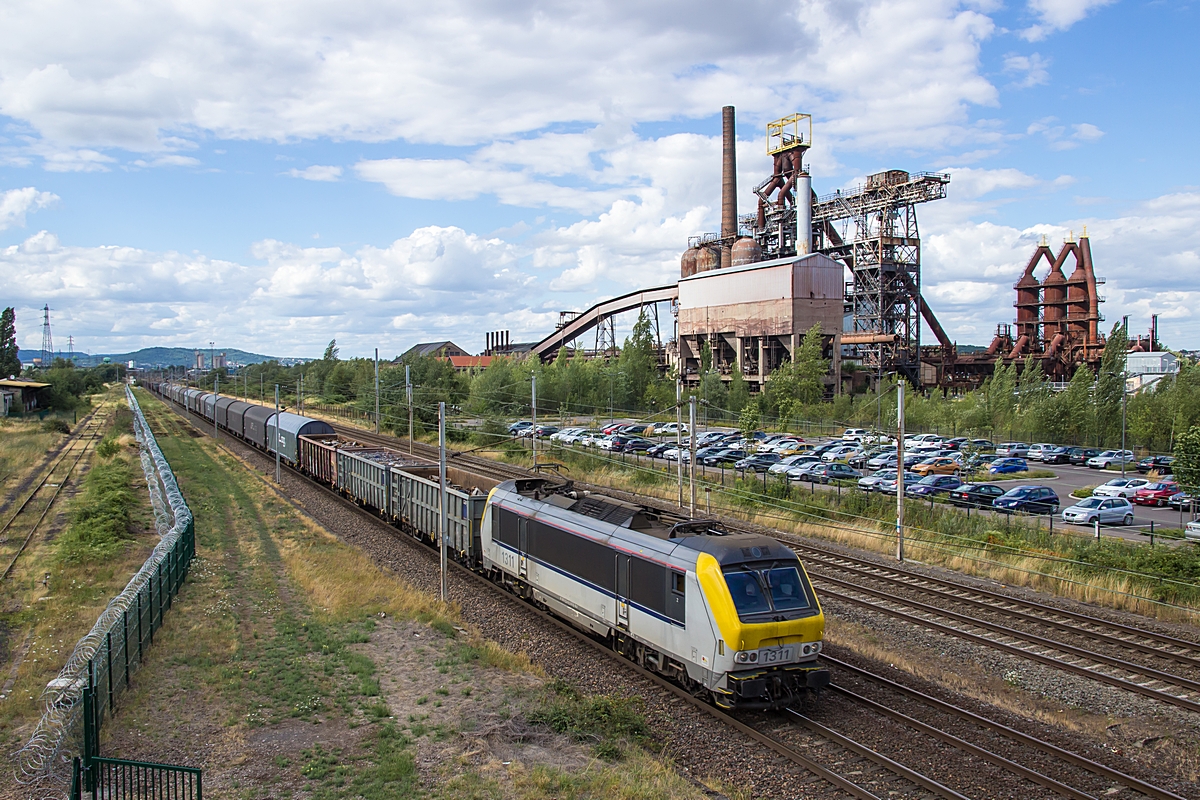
column 1003, row 466
column 1030, row 499
column 932, row 485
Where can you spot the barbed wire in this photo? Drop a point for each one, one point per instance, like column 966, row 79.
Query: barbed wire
column 44, row 761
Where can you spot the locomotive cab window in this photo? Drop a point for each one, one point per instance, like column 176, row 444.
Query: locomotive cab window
column 678, row 582
column 776, row 590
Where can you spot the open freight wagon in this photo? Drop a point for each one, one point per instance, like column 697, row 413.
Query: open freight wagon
column 404, row 490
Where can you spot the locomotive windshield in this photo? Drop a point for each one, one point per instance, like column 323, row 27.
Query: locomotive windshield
column 766, row 589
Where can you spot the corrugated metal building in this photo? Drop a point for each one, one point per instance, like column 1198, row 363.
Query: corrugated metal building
column 754, row 316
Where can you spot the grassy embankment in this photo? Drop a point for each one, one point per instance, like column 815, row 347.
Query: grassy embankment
column 80, row 557
column 1013, row 550
column 287, row 667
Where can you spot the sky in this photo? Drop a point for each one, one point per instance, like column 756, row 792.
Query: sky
column 271, row 176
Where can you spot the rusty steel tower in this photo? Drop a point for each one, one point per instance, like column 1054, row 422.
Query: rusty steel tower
column 873, row 231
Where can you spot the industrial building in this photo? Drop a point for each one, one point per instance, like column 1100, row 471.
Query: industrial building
column 851, row 263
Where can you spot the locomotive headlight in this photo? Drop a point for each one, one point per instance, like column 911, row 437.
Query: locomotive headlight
column 742, row 657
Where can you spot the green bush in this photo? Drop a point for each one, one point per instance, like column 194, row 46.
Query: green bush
column 56, row 425
column 101, row 513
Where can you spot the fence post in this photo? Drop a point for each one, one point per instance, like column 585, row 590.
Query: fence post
column 125, row 643
column 140, row 639
column 1097, row 524
column 108, row 667
column 1152, row 533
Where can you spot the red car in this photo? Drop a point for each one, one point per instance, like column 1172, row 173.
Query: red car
column 613, row 427
column 1155, row 494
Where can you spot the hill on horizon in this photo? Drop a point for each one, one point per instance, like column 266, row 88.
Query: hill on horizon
column 177, row 357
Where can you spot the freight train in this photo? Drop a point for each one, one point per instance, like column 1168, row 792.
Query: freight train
column 730, row 616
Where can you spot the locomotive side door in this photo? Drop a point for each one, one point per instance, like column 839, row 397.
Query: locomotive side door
column 522, row 546
column 622, row 567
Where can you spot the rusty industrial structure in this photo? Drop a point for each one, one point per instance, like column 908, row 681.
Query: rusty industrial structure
column 1057, row 321
column 748, row 293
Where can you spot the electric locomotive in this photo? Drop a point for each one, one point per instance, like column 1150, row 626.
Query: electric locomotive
column 731, row 616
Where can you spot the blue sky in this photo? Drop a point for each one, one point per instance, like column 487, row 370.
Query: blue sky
column 172, row 174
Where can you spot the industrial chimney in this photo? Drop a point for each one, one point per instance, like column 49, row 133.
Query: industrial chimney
column 729, row 225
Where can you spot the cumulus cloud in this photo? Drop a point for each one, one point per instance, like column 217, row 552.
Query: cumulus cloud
column 317, row 172
column 436, row 282
column 140, row 76
column 1058, row 15
column 1057, row 135
column 1030, row 70
column 16, row 203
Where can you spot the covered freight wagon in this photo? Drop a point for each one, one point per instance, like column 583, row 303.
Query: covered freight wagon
column 255, row 421
column 233, row 421
column 290, row 428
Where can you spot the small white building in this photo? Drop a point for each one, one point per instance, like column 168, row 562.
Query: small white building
column 1146, row 369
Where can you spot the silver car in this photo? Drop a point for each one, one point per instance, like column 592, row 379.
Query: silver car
column 785, row 465
column 1106, row 510
column 872, row 481
column 1120, row 487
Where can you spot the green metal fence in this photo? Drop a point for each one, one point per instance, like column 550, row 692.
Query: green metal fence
column 117, row 779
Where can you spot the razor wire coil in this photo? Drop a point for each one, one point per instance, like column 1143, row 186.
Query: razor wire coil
column 43, row 763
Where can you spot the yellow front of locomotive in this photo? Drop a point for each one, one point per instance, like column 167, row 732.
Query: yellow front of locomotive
column 771, row 630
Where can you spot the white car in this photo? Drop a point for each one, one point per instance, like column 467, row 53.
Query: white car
column 838, row 453
column 786, row 464
column 1120, row 487
column 1192, row 531
column 1110, row 457
column 921, row 438
column 871, row 482
column 669, row 428
column 565, row 434
column 854, row 434
column 780, row 445
column 1105, row 510
column 1038, row 451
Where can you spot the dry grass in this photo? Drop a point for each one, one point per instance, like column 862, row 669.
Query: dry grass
column 23, row 445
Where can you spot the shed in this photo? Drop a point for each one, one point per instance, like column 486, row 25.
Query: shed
column 292, row 426
column 26, row 395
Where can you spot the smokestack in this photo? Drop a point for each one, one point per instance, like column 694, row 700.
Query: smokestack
column 729, row 226
column 1153, row 332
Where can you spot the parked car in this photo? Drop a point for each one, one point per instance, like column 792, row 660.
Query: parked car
column 824, row 473
column 545, row 431
column 1038, row 451
column 1155, row 494
column 937, row 466
column 658, row 450
column 888, row 486
column 979, row 461
column 1030, row 499
column 821, row 450
column 839, row 453
column 634, row 430
column 669, row 428
column 1181, row 500
column 1160, row 464
column 983, row 445
column 1079, row 455
column 796, row 471
column 1120, row 487
column 869, row 483
column 1058, row 455
column 516, row 428
column 885, row 459
column 759, row 462
column 633, row 444
column 784, row 464
column 854, row 434
column 975, row 495
column 931, row 485
column 1106, row 510
column 792, row 448
column 860, row 459
column 1110, row 458
column 922, row 438
column 725, row 458
column 1192, row 531
column 1007, row 466
column 1012, row 449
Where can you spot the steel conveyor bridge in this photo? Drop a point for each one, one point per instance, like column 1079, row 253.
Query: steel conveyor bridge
column 547, row 349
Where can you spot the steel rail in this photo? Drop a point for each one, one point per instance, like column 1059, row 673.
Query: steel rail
column 965, row 746
column 1066, row 755
column 774, row 745
column 1120, row 683
column 71, row 441
column 1033, row 638
column 32, row 531
column 1005, row 598
column 878, row 758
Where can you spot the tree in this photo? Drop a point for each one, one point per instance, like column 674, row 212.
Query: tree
column 10, row 364
column 639, row 361
column 739, row 390
column 1187, row 459
column 1110, row 387
column 331, row 352
column 750, row 419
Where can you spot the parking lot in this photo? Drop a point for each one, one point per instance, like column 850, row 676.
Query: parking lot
column 1066, row 480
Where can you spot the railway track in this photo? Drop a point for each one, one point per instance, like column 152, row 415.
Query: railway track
column 888, row 777
column 858, row 766
column 26, row 520
column 1154, row 665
